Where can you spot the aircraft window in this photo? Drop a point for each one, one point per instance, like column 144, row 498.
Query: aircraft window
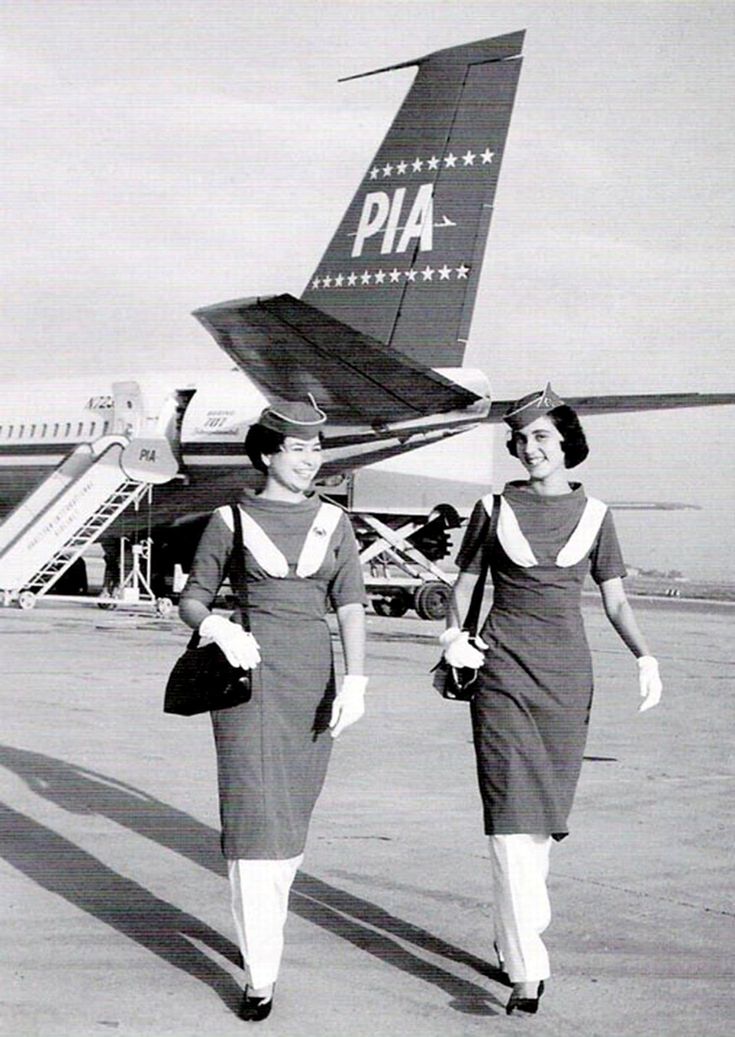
column 56, row 428
column 80, row 428
column 44, row 430
column 33, row 430
column 92, row 427
column 21, row 431
column 10, row 431
column 67, row 430
column 105, row 427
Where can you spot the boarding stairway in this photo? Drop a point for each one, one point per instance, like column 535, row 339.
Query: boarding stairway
column 66, row 514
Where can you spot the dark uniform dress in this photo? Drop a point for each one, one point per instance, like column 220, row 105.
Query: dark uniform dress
column 273, row 751
column 530, row 713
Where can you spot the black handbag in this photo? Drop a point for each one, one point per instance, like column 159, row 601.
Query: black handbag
column 202, row 679
column 458, row 683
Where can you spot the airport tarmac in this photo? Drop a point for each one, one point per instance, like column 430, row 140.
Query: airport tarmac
column 114, row 908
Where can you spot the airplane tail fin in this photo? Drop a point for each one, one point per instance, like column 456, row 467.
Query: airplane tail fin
column 405, row 262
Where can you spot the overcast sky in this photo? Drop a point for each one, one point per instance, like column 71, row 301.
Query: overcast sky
column 167, row 154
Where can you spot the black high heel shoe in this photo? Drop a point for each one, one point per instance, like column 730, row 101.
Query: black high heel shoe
column 525, row 1004
column 255, row 1009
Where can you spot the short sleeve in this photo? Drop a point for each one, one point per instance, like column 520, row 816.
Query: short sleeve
column 347, row 586
column 607, row 558
column 469, row 557
column 210, row 562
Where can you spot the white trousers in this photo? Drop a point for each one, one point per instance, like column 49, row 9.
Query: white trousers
column 520, row 867
column 259, row 905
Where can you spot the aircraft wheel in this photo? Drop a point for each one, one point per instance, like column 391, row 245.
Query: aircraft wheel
column 26, row 600
column 164, row 606
column 396, row 605
column 431, row 600
column 107, row 598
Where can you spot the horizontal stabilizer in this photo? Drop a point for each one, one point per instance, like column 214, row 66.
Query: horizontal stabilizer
column 290, row 348
column 629, row 403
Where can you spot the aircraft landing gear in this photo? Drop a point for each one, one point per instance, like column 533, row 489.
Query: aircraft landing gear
column 401, row 572
column 431, row 599
column 394, row 605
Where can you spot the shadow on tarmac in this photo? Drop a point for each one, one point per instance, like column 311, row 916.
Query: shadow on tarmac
column 63, row 868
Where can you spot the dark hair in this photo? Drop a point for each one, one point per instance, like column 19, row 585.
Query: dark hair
column 573, row 439
column 261, row 440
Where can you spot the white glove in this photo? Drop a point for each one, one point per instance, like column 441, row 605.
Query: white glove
column 349, row 704
column 458, row 651
column 238, row 646
column 649, row 681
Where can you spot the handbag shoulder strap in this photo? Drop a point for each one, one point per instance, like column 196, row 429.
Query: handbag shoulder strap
column 473, row 613
column 238, row 579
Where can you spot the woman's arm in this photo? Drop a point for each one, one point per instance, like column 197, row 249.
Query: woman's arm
column 193, row 612
column 349, row 702
column 351, row 622
column 620, row 614
column 238, row 645
column 459, row 602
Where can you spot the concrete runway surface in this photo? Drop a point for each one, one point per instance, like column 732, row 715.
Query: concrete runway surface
column 114, row 908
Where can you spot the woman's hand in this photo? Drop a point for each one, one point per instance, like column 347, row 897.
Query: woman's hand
column 349, row 704
column 649, row 681
column 458, row 651
column 238, row 646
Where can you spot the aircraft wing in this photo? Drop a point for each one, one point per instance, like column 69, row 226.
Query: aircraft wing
column 290, row 348
column 622, row 403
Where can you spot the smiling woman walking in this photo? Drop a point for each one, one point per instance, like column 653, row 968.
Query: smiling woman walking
column 530, row 712
column 272, row 752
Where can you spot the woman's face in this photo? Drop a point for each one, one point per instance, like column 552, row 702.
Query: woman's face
column 539, row 449
column 296, row 463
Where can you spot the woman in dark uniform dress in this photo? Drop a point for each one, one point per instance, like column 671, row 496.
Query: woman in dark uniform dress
column 272, row 752
column 530, row 712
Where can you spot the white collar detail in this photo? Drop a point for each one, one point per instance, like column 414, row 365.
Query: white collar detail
column 317, row 539
column 516, row 546
column 579, row 543
column 271, row 558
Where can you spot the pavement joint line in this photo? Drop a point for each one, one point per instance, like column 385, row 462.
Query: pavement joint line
column 643, row 895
